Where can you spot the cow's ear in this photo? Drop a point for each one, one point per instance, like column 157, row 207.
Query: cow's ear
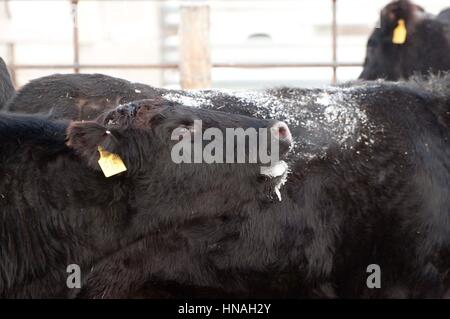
column 85, row 138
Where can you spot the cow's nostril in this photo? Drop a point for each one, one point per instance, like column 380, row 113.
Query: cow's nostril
column 282, row 132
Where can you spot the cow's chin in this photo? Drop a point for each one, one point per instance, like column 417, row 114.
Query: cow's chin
column 276, row 176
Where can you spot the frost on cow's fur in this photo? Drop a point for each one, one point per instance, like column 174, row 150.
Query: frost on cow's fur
column 324, row 118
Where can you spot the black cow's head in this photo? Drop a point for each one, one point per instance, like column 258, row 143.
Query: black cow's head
column 388, row 43
column 145, row 133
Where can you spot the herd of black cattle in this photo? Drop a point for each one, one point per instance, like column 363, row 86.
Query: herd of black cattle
column 368, row 183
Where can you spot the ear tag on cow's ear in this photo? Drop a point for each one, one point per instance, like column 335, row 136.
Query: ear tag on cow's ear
column 111, row 164
column 400, row 33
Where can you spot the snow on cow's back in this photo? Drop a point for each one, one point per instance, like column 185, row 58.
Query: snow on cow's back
column 318, row 118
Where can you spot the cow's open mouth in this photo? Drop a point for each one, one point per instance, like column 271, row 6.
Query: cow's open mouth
column 277, row 175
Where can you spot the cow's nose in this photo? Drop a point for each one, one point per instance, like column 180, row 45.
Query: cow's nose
column 281, row 131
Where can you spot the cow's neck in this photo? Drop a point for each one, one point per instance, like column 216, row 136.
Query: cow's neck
column 163, row 200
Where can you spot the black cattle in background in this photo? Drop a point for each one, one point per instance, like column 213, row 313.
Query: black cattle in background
column 368, row 184
column 57, row 208
column 86, row 96
column 444, row 16
column 76, row 96
column 425, row 50
column 6, row 86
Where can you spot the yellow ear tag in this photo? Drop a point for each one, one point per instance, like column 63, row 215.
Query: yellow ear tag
column 400, row 33
column 111, row 164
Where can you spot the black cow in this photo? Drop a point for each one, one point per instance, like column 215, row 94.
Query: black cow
column 6, row 86
column 57, row 208
column 368, row 184
column 76, row 96
column 87, row 96
column 424, row 50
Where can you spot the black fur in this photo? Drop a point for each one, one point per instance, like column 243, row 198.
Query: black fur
column 383, row 198
column 76, row 96
column 380, row 196
column 425, row 50
column 57, row 208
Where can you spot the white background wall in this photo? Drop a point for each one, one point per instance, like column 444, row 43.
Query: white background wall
column 127, row 32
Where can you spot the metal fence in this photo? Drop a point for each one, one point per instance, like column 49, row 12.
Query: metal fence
column 77, row 66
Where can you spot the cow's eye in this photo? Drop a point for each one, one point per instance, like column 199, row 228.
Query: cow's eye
column 183, row 130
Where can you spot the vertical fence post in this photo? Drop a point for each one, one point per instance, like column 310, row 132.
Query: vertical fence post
column 195, row 50
column 334, row 42
column 12, row 62
column 75, row 37
column 11, row 49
